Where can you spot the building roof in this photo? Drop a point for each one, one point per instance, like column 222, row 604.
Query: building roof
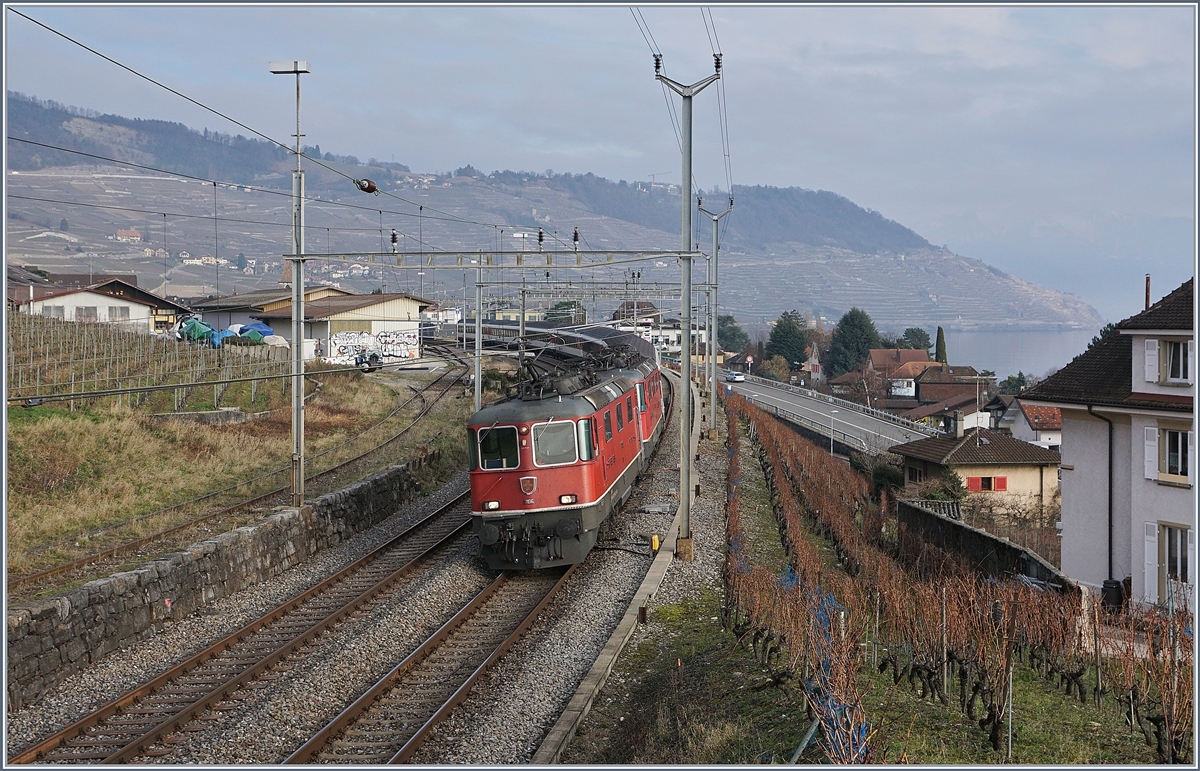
column 944, row 373
column 89, row 290
column 1042, row 418
column 910, row 370
column 964, row 403
column 119, row 288
column 1103, row 374
column 887, row 359
column 1000, row 403
column 257, row 299
column 75, row 280
column 1171, row 312
column 978, row 447
column 325, row 307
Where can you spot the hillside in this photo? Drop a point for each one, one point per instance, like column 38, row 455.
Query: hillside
column 783, row 249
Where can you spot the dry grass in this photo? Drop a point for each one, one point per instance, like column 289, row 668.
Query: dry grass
column 73, row 472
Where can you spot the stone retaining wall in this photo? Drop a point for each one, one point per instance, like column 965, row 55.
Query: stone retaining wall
column 983, row 551
column 49, row 640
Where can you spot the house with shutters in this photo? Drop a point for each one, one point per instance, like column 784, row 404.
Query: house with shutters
column 1129, row 455
column 1008, row 472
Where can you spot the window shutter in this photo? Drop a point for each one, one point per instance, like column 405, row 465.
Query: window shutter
column 1000, row 483
column 974, row 484
column 1151, row 570
column 1151, row 361
column 1151, row 452
column 1191, row 557
column 1191, row 463
column 1191, row 367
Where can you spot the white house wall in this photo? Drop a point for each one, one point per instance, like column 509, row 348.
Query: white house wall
column 1151, row 500
column 139, row 314
column 1084, row 489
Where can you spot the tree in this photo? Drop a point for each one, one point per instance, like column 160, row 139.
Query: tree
column 852, row 342
column 567, row 312
column 241, row 261
column 916, row 338
column 1014, row 384
column 789, row 339
column 1105, row 331
column 64, row 226
column 940, row 355
column 730, row 335
column 775, row 368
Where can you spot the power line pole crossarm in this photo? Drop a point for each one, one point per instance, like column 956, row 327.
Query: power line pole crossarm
column 683, row 547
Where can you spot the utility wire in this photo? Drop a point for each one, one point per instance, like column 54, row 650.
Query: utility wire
column 236, row 122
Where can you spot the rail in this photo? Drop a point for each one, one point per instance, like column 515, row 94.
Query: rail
column 880, row 414
column 130, row 725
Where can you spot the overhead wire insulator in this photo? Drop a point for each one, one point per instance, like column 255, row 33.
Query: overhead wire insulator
column 575, row 238
column 657, row 64
column 717, row 62
column 395, row 239
column 541, row 238
column 367, row 186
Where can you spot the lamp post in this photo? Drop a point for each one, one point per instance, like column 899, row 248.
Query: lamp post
column 831, row 414
column 297, row 68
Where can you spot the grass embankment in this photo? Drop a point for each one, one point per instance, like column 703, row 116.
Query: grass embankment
column 692, row 693
column 74, row 472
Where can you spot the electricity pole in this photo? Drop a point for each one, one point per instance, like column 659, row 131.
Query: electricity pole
column 684, row 542
column 712, row 317
column 297, row 68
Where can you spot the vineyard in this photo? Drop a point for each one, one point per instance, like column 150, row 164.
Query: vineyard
column 922, row 617
column 51, row 358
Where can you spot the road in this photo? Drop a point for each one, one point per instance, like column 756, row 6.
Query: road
column 851, row 425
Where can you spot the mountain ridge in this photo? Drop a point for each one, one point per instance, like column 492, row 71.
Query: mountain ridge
column 782, row 248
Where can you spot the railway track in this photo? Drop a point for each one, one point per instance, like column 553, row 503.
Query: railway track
column 130, row 725
column 389, row 722
column 259, row 500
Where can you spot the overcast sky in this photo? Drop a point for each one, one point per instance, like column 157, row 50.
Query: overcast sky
column 1058, row 144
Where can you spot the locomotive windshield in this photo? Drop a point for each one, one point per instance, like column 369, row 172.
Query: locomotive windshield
column 554, row 443
column 498, row 448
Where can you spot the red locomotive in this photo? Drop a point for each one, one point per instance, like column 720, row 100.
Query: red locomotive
column 552, row 461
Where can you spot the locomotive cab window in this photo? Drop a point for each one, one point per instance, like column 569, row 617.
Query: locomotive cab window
column 641, row 392
column 629, row 408
column 498, row 448
column 620, row 421
column 554, row 443
column 585, row 439
column 608, row 426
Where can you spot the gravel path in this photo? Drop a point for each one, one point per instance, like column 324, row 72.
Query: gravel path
column 130, row 667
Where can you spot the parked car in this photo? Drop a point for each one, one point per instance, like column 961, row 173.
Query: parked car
column 368, row 362
column 735, row 377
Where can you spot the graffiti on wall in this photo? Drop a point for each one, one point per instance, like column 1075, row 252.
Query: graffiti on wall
column 392, row 343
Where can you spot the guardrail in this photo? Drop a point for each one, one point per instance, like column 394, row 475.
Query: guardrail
column 838, row 436
column 880, row 414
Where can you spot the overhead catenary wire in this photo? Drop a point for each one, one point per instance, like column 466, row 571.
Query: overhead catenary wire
column 220, row 114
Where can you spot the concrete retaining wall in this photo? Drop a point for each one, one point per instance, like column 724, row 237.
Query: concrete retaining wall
column 983, row 551
column 49, row 640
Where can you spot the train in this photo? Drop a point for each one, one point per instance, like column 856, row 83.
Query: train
column 554, row 458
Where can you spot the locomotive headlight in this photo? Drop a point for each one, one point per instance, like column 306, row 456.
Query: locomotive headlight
column 566, row 499
column 491, row 505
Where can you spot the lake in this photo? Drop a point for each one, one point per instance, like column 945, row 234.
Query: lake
column 1007, row 352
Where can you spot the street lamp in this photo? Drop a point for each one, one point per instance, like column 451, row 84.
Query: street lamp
column 297, row 68
column 831, row 414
